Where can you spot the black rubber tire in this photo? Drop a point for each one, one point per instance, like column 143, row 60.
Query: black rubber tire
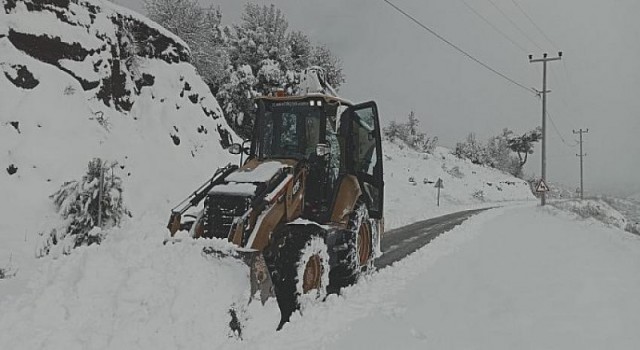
column 288, row 257
column 349, row 267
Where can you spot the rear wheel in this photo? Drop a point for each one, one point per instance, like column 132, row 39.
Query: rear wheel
column 300, row 268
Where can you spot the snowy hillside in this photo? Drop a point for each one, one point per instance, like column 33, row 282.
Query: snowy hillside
column 465, row 185
column 88, row 79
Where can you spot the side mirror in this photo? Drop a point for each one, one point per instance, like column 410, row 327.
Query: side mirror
column 246, row 149
column 235, row 148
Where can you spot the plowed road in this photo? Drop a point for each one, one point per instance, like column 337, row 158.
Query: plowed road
column 398, row 243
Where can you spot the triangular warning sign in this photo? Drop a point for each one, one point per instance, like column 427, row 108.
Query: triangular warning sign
column 542, row 187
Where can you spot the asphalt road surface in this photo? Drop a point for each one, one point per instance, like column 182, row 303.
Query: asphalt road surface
column 398, row 243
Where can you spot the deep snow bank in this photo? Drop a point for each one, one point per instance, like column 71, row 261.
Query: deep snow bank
column 606, row 211
column 131, row 292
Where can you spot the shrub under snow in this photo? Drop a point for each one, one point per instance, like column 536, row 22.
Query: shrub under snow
column 598, row 210
column 84, row 217
column 6, row 272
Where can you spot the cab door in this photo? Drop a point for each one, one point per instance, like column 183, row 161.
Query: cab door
column 363, row 157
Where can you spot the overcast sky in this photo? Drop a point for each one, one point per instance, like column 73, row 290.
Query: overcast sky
column 391, row 60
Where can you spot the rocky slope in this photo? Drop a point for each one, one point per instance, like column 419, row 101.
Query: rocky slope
column 84, row 79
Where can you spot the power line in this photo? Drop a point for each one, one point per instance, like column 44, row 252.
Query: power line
column 557, row 130
column 457, row 48
column 534, row 24
column 494, row 27
column 515, row 24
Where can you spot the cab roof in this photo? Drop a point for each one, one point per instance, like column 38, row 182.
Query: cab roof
column 327, row 98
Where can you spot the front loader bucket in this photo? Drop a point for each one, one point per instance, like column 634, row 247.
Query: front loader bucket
column 259, row 275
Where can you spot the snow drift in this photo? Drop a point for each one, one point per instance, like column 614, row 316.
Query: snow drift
column 614, row 212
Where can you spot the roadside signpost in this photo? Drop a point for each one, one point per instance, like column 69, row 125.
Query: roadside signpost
column 439, row 185
column 542, row 187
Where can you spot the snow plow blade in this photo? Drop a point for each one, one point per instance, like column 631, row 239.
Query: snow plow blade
column 259, row 276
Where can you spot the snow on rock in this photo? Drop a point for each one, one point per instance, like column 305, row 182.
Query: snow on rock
column 84, row 79
column 410, row 177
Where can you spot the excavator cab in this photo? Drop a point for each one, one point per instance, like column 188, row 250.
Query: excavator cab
column 331, row 138
column 288, row 129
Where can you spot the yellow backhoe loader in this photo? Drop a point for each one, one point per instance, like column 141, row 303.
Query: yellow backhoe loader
column 305, row 208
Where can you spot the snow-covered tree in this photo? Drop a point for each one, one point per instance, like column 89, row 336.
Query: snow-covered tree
column 275, row 57
column 84, row 216
column 258, row 55
column 300, row 49
column 261, row 35
column 497, row 153
column 323, row 57
column 473, row 150
column 395, row 131
column 500, row 154
column 410, row 134
column 236, row 97
column 523, row 144
column 200, row 27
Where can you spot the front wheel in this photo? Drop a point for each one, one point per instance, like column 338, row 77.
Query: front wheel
column 357, row 256
column 300, row 268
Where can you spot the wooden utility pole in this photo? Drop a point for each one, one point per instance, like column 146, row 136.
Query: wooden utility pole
column 544, row 91
column 581, row 155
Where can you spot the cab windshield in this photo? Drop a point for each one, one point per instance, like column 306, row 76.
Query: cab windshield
column 289, row 129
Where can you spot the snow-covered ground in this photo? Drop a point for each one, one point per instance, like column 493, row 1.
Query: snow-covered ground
column 521, row 277
column 518, row 277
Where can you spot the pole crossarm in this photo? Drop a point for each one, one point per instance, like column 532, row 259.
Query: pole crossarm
column 546, row 59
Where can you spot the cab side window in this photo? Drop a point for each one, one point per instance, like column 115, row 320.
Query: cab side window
column 366, row 157
column 366, row 151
